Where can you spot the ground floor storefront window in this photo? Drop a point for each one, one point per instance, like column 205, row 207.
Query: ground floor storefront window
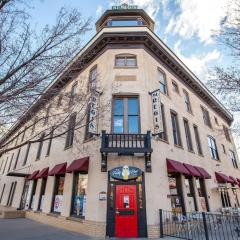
column 176, row 193
column 202, row 194
column 24, row 194
column 225, row 197
column 32, row 197
column 42, row 194
column 58, row 194
column 79, row 195
column 190, row 194
column 236, row 202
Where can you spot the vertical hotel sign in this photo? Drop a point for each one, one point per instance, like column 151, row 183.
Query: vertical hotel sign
column 93, row 111
column 156, row 109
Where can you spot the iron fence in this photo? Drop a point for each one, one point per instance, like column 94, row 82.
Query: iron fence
column 200, row 226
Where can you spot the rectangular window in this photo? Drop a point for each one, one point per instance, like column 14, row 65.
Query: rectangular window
column 42, row 194
column 197, row 139
column 79, row 194
column 206, row 117
column 73, row 94
column 124, row 22
column 126, row 115
column 175, row 87
column 175, row 128
column 223, row 148
column 163, row 135
column 58, row 194
column 70, row 132
column 187, row 101
column 17, row 158
column 27, row 153
column 33, row 126
column 10, row 164
column 5, row 165
column 163, row 82
column 225, row 197
column 213, row 148
column 47, row 115
column 40, row 145
column 216, row 120
column 50, row 142
column 226, row 133
column 92, row 79
column 4, row 185
column 125, row 61
column 188, row 135
column 59, row 101
column 233, row 159
column 23, row 134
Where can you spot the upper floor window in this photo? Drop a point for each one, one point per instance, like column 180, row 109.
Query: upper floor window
column 226, row 133
column 126, row 60
column 47, row 115
column 213, row 148
column 206, row 117
column 40, row 145
column 175, row 128
column 92, row 79
column 187, row 101
column 163, row 82
column 163, row 135
column 126, row 115
column 131, row 22
column 73, row 93
column 216, row 120
column 70, row 132
column 188, row 135
column 198, row 141
column 233, row 159
column 175, row 87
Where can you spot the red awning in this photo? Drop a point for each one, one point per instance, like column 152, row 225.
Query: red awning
column 222, row 178
column 238, row 181
column 33, row 175
column 234, row 180
column 58, row 169
column 192, row 170
column 43, row 173
column 176, row 167
column 79, row 165
column 203, row 172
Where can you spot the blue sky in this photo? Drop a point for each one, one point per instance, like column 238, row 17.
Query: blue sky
column 184, row 25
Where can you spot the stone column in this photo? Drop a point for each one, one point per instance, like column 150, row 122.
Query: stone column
column 67, row 195
column 47, row 205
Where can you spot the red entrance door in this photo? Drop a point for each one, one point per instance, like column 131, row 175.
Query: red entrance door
column 126, row 211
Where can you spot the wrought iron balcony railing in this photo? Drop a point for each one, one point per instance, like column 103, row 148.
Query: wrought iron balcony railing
column 126, row 144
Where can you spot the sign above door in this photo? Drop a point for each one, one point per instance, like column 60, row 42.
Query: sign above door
column 125, row 173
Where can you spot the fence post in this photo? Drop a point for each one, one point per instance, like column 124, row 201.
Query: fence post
column 205, row 225
column 161, row 223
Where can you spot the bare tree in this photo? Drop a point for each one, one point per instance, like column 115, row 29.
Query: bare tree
column 225, row 81
column 30, row 60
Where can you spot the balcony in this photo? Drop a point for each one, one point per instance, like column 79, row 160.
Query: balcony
column 126, row 144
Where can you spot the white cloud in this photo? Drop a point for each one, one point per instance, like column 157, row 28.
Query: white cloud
column 197, row 17
column 198, row 63
column 99, row 11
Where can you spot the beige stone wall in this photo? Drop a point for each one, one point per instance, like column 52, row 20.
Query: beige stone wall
column 156, row 183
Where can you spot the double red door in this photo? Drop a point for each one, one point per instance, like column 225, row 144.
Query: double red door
column 126, row 218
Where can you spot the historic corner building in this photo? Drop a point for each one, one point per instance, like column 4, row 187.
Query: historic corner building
column 164, row 142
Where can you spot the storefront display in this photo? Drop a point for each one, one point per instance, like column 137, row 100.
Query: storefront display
column 58, row 196
column 80, row 196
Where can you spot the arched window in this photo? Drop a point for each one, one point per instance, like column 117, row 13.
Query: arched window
column 125, row 60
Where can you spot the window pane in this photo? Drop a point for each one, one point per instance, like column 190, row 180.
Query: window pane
column 120, row 61
column 131, row 61
column 132, row 106
column 118, row 124
column 129, row 22
column 118, row 107
column 133, row 124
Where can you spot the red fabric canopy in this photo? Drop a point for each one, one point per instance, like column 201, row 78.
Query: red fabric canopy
column 234, row 180
column 43, row 173
column 222, row 178
column 203, row 172
column 58, row 169
column 194, row 172
column 33, row 175
column 79, row 165
column 238, row 181
column 176, row 167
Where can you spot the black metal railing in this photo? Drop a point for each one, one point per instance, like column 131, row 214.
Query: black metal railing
column 200, row 226
column 126, row 144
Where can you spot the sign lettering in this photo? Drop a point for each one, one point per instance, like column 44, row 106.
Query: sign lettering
column 125, row 173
